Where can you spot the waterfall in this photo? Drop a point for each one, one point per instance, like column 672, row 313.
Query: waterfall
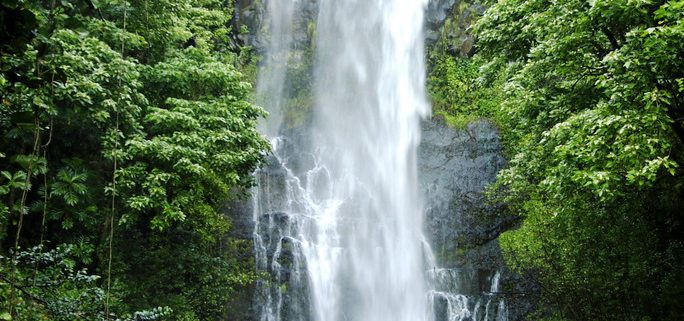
column 337, row 211
column 370, row 93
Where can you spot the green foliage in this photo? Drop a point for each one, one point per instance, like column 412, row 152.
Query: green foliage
column 592, row 119
column 197, row 282
column 69, row 185
column 455, row 91
column 53, row 286
column 297, row 97
column 174, row 113
column 450, row 82
column 300, row 92
column 200, row 144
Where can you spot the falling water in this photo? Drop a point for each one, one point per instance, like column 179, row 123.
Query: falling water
column 366, row 261
column 338, row 217
column 271, row 83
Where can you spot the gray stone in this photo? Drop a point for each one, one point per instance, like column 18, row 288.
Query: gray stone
column 455, row 165
column 251, row 14
column 448, row 23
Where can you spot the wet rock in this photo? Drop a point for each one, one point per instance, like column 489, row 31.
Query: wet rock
column 252, row 15
column 449, row 22
column 455, row 165
column 440, row 306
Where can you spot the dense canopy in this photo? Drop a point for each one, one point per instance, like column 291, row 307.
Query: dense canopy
column 592, row 115
column 126, row 128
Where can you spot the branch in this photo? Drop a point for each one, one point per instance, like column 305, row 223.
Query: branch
column 90, row 3
column 514, row 293
column 611, row 38
column 672, row 109
column 583, row 75
column 23, row 290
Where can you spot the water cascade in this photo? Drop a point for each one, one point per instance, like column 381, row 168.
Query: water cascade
column 338, row 216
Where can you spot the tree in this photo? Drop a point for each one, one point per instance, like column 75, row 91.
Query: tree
column 79, row 88
column 593, row 122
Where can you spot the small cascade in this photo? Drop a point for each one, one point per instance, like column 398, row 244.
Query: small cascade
column 449, row 305
column 282, row 212
column 495, row 308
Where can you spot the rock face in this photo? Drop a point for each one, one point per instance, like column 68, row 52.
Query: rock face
column 454, row 167
column 282, row 287
column 448, row 22
column 437, row 11
column 252, row 15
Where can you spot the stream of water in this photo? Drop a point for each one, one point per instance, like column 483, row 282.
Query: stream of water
column 338, row 215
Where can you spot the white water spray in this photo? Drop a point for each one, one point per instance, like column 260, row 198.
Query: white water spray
column 367, row 263
column 338, row 213
column 355, row 216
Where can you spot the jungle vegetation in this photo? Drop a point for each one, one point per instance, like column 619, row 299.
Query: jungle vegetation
column 589, row 98
column 126, row 127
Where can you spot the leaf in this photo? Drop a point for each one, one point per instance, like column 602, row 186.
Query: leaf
column 18, row 180
column 24, row 120
column 22, row 160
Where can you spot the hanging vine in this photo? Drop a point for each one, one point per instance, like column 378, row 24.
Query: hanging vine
column 116, row 147
column 22, row 206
